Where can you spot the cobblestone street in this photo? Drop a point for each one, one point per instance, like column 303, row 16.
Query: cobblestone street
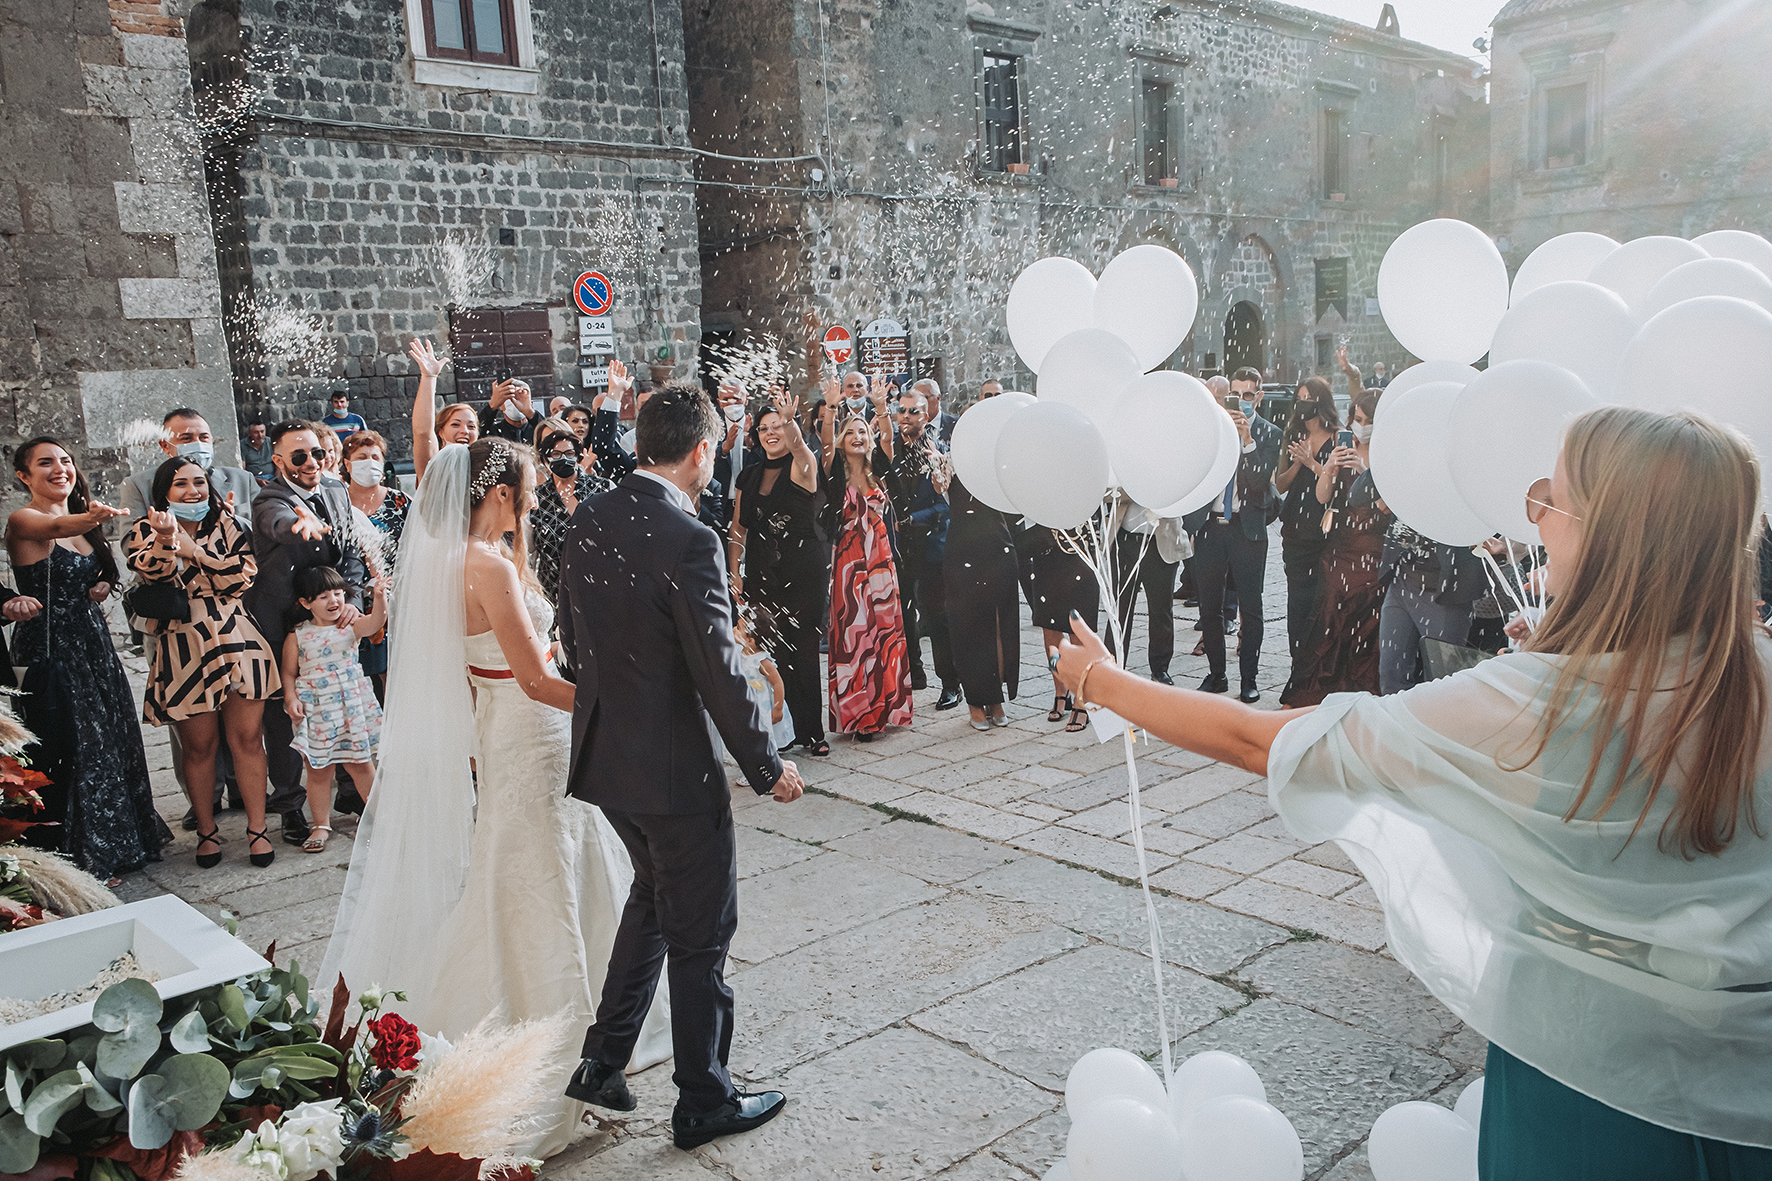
column 949, row 919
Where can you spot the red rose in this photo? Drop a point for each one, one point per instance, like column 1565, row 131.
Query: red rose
column 396, row 1042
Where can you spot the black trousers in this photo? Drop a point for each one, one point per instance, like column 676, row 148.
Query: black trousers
column 679, row 916
column 1157, row 577
column 800, row 608
column 1221, row 550
column 1304, row 592
column 922, row 596
column 289, row 787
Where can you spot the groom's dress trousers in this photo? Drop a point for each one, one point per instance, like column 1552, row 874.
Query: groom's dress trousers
column 646, row 625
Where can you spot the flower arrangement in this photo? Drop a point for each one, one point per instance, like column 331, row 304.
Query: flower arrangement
column 35, row 886
column 239, row 1082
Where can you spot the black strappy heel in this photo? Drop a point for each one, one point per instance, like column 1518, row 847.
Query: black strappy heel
column 209, row 860
column 259, row 859
column 1060, row 703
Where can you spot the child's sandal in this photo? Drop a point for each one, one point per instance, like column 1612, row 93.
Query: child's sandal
column 315, row 842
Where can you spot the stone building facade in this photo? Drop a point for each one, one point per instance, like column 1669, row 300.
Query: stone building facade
column 1630, row 119
column 907, row 158
column 388, row 170
column 109, row 306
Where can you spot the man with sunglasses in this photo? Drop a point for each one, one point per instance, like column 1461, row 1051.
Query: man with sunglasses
column 298, row 521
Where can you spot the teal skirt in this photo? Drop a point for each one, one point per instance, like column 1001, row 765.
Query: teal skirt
column 1536, row 1129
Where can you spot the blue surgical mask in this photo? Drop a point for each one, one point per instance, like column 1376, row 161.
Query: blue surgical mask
column 203, row 453
column 1248, row 409
column 856, row 403
column 189, row 510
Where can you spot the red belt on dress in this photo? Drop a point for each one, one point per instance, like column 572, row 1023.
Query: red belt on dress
column 492, row 674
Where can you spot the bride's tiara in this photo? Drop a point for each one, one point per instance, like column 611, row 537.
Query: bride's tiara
column 496, row 466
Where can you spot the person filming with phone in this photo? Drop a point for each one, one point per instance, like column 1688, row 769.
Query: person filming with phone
column 510, row 413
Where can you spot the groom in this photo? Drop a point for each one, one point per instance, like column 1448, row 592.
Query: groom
column 647, row 628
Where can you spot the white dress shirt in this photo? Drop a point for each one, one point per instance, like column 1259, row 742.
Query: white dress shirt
column 673, row 493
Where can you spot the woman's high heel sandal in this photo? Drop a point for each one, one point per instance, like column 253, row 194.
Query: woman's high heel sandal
column 259, row 859
column 212, row 837
column 1059, row 706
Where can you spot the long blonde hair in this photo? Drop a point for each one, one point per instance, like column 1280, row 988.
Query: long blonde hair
column 1670, row 533
column 867, row 459
column 516, row 468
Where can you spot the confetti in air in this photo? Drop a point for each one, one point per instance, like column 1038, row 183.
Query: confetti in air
column 271, row 331
column 753, row 363
column 462, row 267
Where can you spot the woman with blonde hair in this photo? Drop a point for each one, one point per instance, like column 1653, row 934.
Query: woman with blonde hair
column 1569, row 841
column 433, row 429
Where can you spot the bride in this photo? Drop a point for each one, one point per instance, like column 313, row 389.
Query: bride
column 512, row 911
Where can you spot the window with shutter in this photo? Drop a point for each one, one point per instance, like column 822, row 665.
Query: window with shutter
column 1159, row 152
column 471, row 30
column 1000, row 96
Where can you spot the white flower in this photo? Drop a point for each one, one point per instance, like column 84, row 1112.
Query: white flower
column 311, row 1139
column 259, row 1151
column 432, row 1050
column 8, row 868
column 371, row 998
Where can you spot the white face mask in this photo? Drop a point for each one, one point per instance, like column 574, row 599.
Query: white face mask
column 514, row 413
column 1362, row 431
column 734, row 412
column 366, row 472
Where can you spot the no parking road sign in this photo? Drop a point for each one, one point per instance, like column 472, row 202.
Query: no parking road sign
column 836, row 345
column 593, row 293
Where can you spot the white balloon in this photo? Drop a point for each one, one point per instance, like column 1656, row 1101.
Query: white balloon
column 1582, row 327
column 1563, row 258
column 1210, row 1075
column 1442, row 288
column 1422, row 1142
column 1163, row 437
column 1713, row 354
column 1052, row 464
column 1638, row 265
column 1709, row 276
column 1421, row 373
column 1236, row 1138
column 1530, row 402
column 1049, row 298
column 1469, row 1107
column 1226, row 456
column 1101, row 1073
column 1123, row 1139
column 1147, row 296
column 974, row 446
column 1740, row 245
column 1058, row 1172
column 1087, row 369
column 1409, row 452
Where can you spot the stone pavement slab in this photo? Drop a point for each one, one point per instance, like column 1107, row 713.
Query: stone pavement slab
column 934, row 854
column 800, row 904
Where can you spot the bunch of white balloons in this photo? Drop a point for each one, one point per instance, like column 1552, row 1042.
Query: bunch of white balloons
column 1658, row 322
column 1101, row 419
column 1211, row 1123
column 1425, row 1142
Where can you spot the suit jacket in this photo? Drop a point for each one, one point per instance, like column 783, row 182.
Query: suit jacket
column 646, row 627
column 281, row 553
column 614, row 463
column 138, row 492
column 1259, row 503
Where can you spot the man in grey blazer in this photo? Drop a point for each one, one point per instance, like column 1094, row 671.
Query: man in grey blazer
column 646, row 627
column 298, row 521
column 186, row 432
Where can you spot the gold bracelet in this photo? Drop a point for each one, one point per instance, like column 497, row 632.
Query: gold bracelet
column 1084, row 679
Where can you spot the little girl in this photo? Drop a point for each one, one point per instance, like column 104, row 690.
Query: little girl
column 759, row 669
column 332, row 705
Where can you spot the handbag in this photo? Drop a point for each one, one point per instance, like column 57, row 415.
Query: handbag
column 165, row 602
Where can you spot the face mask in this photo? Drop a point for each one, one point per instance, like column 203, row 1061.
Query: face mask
column 563, row 467
column 365, row 472
column 734, row 412
column 1308, row 411
column 203, row 453
column 1363, row 431
column 1248, row 409
column 855, row 403
column 189, row 510
column 513, row 413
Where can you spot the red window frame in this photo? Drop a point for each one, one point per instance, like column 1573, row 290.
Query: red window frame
column 508, row 27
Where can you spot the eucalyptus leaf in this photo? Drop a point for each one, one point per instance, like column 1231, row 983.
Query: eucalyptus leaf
column 51, row 1099
column 99, row 1100
column 18, row 1144
column 191, row 1034
column 272, row 1078
column 15, row 1086
column 41, row 1054
column 232, row 1003
column 124, row 1003
column 150, row 1116
column 83, row 1049
column 198, row 1085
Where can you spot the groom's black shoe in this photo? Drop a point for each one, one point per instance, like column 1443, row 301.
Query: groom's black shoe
column 740, row 1113
column 601, row 1084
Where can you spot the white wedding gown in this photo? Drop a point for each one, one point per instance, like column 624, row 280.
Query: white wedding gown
column 547, row 880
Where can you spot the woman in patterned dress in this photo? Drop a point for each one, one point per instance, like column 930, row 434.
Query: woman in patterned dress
column 211, row 675
column 365, row 461
column 564, row 482
column 870, row 676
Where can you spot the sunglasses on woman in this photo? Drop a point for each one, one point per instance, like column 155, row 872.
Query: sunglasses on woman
column 1538, row 502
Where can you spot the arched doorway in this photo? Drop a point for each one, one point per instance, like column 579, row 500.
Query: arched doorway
column 1243, row 338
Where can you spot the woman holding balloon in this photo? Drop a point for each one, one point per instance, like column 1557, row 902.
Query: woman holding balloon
column 1569, row 841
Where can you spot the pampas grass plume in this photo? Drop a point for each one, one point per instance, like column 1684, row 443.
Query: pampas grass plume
column 479, row 1101
column 60, row 885
column 216, row 1166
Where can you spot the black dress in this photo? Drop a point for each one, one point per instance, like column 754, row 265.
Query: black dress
column 1301, row 551
column 785, row 570
column 979, row 575
column 77, row 701
column 1058, row 582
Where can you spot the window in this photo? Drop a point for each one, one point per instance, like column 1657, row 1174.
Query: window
column 1000, row 94
column 1335, row 155
column 471, row 30
column 1565, row 126
column 1159, row 151
column 474, row 44
column 1325, row 354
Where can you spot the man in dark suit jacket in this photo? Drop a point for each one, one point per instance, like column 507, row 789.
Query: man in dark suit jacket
column 646, row 627
column 1230, row 538
column 298, row 520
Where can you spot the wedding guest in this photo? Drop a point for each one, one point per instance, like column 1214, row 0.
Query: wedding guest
column 563, row 484
column 433, row 428
column 255, row 452
column 185, row 432
column 332, row 450
column 1059, row 584
column 75, row 696
column 939, row 420
column 1310, row 438
column 339, row 417
column 510, row 412
column 299, row 520
column 1431, row 591
column 869, row 675
column 579, row 419
column 1148, row 552
column 1342, row 655
column 615, row 451
column 979, row 569
column 365, row 459
column 776, row 561
column 1568, row 841
column 210, row 674
column 915, row 481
